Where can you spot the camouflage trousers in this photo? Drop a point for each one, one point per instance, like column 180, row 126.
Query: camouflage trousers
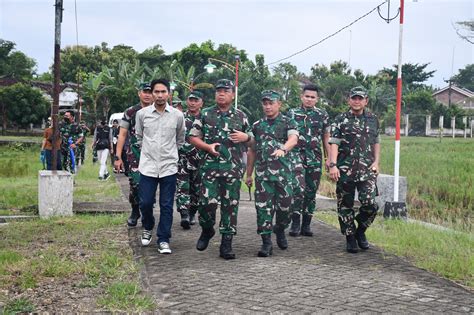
column 225, row 190
column 133, row 175
column 272, row 198
column 345, row 191
column 81, row 153
column 188, row 187
column 67, row 161
column 305, row 195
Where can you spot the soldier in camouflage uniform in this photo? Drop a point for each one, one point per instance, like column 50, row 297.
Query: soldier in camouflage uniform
column 69, row 129
column 82, row 146
column 313, row 127
column 188, row 181
column 222, row 133
column 275, row 135
column 127, row 129
column 355, row 154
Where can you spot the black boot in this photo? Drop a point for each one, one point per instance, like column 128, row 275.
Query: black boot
column 280, row 237
column 192, row 218
column 306, row 225
column 351, row 245
column 267, row 246
column 204, row 239
column 360, row 237
column 226, row 247
column 295, row 224
column 185, row 224
column 134, row 216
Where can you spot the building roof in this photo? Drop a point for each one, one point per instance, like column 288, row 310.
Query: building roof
column 456, row 88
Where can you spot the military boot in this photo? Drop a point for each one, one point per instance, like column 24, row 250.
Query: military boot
column 192, row 218
column 226, row 247
column 306, row 225
column 267, row 246
column 185, row 224
column 134, row 216
column 351, row 245
column 280, row 237
column 360, row 237
column 295, row 224
column 204, row 239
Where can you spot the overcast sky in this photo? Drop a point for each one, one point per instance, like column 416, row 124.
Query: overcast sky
column 276, row 28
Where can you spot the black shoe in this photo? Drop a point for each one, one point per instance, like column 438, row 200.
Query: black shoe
column 361, row 239
column 351, row 245
column 280, row 237
column 134, row 216
column 225, row 250
column 267, row 246
column 295, row 224
column 192, row 218
column 185, row 224
column 204, row 239
column 306, row 225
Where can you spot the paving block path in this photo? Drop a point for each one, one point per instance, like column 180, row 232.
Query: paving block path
column 314, row 275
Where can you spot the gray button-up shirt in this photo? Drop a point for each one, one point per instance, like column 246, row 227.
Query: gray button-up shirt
column 159, row 135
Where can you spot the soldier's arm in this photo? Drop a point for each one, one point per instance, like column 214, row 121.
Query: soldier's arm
column 250, row 166
column 327, row 149
column 376, row 149
column 333, row 153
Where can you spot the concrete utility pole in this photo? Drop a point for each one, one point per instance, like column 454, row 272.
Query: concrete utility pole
column 57, row 75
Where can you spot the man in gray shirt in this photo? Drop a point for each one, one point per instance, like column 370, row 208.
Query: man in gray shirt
column 160, row 132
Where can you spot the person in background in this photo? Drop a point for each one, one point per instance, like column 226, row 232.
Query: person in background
column 102, row 142
column 47, row 148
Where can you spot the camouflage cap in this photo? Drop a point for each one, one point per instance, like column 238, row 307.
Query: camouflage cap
column 224, row 83
column 144, row 86
column 270, row 95
column 358, row 91
column 176, row 100
column 195, row 94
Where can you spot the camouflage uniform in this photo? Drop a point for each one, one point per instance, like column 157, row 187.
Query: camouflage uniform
column 273, row 176
column 355, row 136
column 133, row 153
column 221, row 176
column 188, row 180
column 73, row 131
column 313, row 123
column 82, row 148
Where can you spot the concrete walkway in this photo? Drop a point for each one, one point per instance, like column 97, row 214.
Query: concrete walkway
column 314, row 275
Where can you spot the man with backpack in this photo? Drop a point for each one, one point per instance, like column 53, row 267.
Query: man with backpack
column 103, row 143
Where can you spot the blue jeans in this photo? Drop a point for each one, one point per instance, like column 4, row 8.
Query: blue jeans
column 49, row 159
column 147, row 191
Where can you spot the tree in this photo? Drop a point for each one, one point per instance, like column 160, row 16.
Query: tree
column 152, row 56
column 413, row 75
column 94, row 88
column 82, row 60
column 465, row 77
column 22, row 105
column 14, row 64
column 286, row 76
column 465, row 30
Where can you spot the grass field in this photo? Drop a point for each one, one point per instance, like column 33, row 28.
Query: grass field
column 19, row 166
column 440, row 178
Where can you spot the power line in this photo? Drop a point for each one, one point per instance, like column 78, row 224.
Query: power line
column 329, row 36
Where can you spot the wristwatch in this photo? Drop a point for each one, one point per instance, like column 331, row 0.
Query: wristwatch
column 332, row 164
column 282, row 147
column 116, row 158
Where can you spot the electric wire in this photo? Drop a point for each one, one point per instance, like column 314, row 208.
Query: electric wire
column 329, row 36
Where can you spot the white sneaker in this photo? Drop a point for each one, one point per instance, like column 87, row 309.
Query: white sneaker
column 164, row 248
column 146, row 237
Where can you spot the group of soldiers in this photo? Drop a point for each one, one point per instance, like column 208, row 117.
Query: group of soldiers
column 286, row 151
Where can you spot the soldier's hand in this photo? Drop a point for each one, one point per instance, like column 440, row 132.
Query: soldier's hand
column 334, row 174
column 118, row 165
column 213, row 149
column 249, row 181
column 374, row 168
column 327, row 165
column 278, row 153
column 238, row 136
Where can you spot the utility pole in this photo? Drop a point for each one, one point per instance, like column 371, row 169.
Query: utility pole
column 56, row 73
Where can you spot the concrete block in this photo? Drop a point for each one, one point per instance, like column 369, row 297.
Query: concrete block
column 385, row 185
column 55, row 193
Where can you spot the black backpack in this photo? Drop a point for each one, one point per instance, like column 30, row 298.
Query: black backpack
column 102, row 138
